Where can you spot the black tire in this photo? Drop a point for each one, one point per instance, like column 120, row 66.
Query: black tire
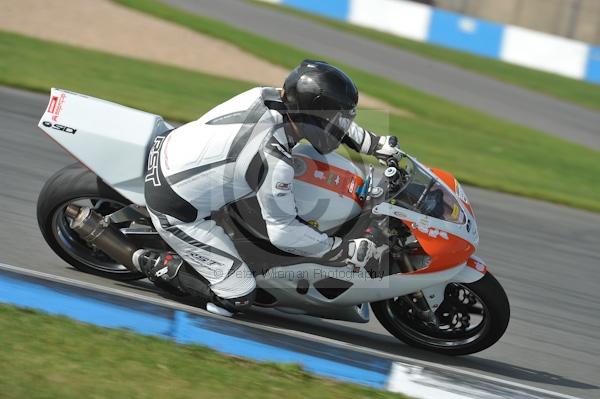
column 77, row 183
column 494, row 321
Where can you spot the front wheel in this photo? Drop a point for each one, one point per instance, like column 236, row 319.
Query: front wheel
column 471, row 318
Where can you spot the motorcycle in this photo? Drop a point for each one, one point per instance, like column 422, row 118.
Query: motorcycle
column 424, row 283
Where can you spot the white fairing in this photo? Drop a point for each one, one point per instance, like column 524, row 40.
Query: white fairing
column 110, row 139
column 323, row 203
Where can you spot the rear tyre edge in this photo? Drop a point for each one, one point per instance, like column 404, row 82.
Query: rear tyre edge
column 73, row 182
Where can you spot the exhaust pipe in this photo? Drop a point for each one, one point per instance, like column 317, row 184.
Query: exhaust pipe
column 96, row 230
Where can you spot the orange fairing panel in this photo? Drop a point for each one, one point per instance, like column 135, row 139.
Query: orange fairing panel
column 451, row 182
column 446, row 177
column 446, row 250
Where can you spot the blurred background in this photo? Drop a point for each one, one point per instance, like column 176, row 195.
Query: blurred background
column 575, row 19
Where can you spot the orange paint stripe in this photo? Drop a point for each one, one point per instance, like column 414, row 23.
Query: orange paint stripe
column 332, row 178
column 475, row 264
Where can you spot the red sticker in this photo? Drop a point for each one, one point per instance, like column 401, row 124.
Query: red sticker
column 52, row 105
column 56, row 105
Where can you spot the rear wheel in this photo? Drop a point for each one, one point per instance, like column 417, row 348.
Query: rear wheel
column 471, row 318
column 77, row 185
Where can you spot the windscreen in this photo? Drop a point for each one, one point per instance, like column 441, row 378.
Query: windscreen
column 420, row 191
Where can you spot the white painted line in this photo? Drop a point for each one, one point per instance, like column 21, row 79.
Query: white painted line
column 407, row 361
column 411, row 380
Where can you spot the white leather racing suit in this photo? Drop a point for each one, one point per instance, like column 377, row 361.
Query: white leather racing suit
column 238, row 149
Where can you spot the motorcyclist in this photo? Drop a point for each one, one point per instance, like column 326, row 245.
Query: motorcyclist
column 240, row 148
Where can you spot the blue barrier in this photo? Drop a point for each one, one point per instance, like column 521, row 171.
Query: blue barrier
column 114, row 312
column 337, row 9
column 88, row 310
column 447, row 29
column 592, row 72
column 465, row 33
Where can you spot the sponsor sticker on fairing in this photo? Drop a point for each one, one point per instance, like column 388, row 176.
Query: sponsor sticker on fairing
column 455, row 211
column 62, row 128
column 352, row 186
column 319, row 174
column 56, row 105
column 477, row 264
column 332, row 179
column 423, row 227
column 434, row 233
column 52, row 105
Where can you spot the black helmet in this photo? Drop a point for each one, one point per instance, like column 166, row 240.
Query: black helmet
column 322, row 99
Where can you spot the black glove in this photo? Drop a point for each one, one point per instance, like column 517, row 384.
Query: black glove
column 358, row 251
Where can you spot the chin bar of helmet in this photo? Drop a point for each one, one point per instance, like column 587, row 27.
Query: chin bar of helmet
column 99, row 232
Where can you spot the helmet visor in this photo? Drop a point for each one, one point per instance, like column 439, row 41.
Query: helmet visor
column 324, row 130
column 343, row 119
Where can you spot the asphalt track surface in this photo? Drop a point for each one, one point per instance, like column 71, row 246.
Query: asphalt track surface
column 503, row 100
column 546, row 256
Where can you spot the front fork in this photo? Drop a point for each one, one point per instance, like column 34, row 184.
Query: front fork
column 418, row 301
column 427, row 300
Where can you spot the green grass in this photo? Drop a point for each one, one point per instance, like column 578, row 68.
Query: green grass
column 479, row 149
column 572, row 90
column 54, row 357
column 175, row 93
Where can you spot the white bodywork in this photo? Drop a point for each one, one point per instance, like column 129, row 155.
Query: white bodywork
column 110, row 139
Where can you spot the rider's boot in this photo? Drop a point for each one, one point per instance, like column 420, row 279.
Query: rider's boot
column 164, row 267
column 157, row 265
